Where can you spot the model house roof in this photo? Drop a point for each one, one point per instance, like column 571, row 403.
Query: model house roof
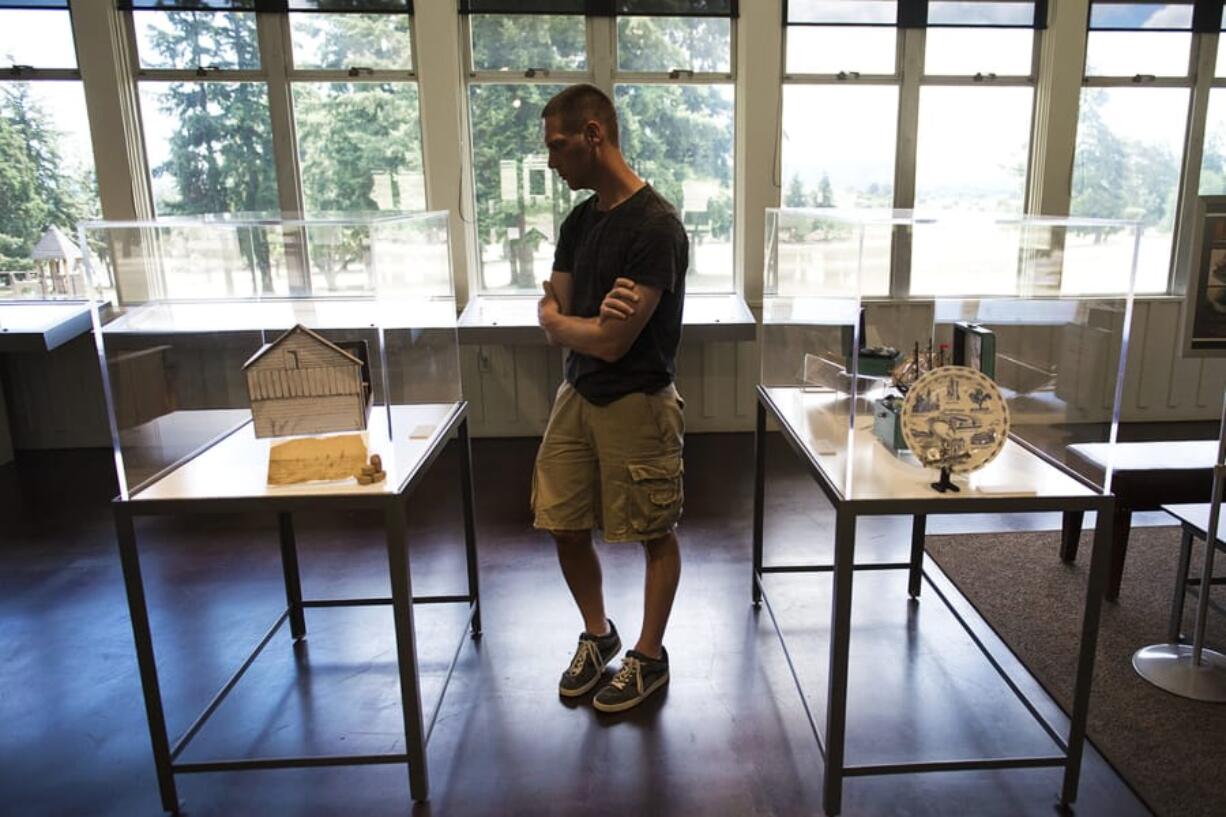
column 300, row 329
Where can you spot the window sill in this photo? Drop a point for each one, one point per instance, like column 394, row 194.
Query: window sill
column 511, row 319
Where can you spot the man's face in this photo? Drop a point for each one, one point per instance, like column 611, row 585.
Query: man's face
column 570, row 154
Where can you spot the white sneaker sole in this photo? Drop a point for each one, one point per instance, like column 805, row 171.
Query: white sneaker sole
column 586, row 688
column 633, row 702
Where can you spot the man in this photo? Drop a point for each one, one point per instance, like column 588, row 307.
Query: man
column 611, row 456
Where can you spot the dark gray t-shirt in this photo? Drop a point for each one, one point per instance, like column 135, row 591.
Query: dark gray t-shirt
column 643, row 240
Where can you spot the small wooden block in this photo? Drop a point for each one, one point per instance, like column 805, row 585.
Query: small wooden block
column 365, row 479
column 380, row 476
column 376, row 462
column 369, row 470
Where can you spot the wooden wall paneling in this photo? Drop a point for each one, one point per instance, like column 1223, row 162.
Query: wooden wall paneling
column 1183, row 372
column 1138, row 372
column 747, row 370
column 473, row 386
column 532, row 385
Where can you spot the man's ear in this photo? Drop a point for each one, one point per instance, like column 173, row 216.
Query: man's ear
column 592, row 134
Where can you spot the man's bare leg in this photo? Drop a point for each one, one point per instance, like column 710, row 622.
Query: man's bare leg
column 660, row 587
column 581, row 568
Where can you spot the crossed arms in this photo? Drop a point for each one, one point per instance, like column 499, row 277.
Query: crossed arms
column 608, row 336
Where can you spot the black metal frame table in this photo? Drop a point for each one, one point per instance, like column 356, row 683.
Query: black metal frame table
column 1058, row 491
column 390, row 498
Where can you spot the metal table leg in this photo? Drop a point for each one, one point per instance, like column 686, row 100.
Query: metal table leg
column 1181, row 587
column 137, row 609
column 293, row 583
column 915, row 578
column 470, row 525
column 1070, row 534
column 406, row 649
column 840, row 649
column 1100, row 564
column 759, row 496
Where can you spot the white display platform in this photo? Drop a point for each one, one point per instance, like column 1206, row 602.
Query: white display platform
column 876, row 473
column 1196, row 514
column 41, row 325
column 1150, row 456
column 167, row 317
column 492, row 319
column 236, row 467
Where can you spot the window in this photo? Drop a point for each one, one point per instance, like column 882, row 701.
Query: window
column 980, row 57
column 855, row 94
column 840, row 119
column 1131, row 128
column 48, row 182
column 356, row 112
column 668, row 72
column 1213, row 157
column 204, row 109
column 352, row 116
column 679, row 135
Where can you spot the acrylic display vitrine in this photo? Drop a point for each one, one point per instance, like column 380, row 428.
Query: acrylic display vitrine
column 1042, row 305
column 198, row 297
column 44, row 302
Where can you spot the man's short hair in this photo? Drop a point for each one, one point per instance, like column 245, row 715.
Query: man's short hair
column 579, row 104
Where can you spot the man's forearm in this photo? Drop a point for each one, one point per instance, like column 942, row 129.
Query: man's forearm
column 584, row 335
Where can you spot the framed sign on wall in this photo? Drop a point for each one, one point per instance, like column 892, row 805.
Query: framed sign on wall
column 1204, row 320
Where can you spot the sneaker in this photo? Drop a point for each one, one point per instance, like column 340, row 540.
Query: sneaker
column 593, row 655
column 639, row 677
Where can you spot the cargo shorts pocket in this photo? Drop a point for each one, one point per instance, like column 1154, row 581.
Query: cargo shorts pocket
column 656, row 494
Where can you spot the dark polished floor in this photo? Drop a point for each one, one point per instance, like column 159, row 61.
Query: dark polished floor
column 729, row 737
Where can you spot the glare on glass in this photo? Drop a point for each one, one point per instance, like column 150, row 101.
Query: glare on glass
column 517, row 42
column 829, row 50
column 849, row 166
column 520, row 202
column 702, row 45
column 964, row 51
column 965, row 163
column 335, row 41
column 679, row 138
column 980, row 13
column 846, row 12
column 190, row 39
column 1128, row 53
column 209, row 147
column 39, row 39
column 1129, row 146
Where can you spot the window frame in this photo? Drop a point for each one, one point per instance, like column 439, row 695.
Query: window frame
column 910, row 77
column 602, row 71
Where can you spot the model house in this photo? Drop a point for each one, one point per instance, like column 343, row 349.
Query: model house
column 302, row 383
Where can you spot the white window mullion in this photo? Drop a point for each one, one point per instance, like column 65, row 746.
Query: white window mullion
column 105, row 64
column 911, row 67
column 602, row 52
column 273, row 30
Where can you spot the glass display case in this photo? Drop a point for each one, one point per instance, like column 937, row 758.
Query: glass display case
column 44, row 300
column 857, row 304
column 201, row 301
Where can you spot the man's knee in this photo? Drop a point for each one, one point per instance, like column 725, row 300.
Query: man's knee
column 658, row 546
column 571, row 538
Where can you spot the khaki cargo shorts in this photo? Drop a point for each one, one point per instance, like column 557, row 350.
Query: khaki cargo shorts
column 616, row 467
